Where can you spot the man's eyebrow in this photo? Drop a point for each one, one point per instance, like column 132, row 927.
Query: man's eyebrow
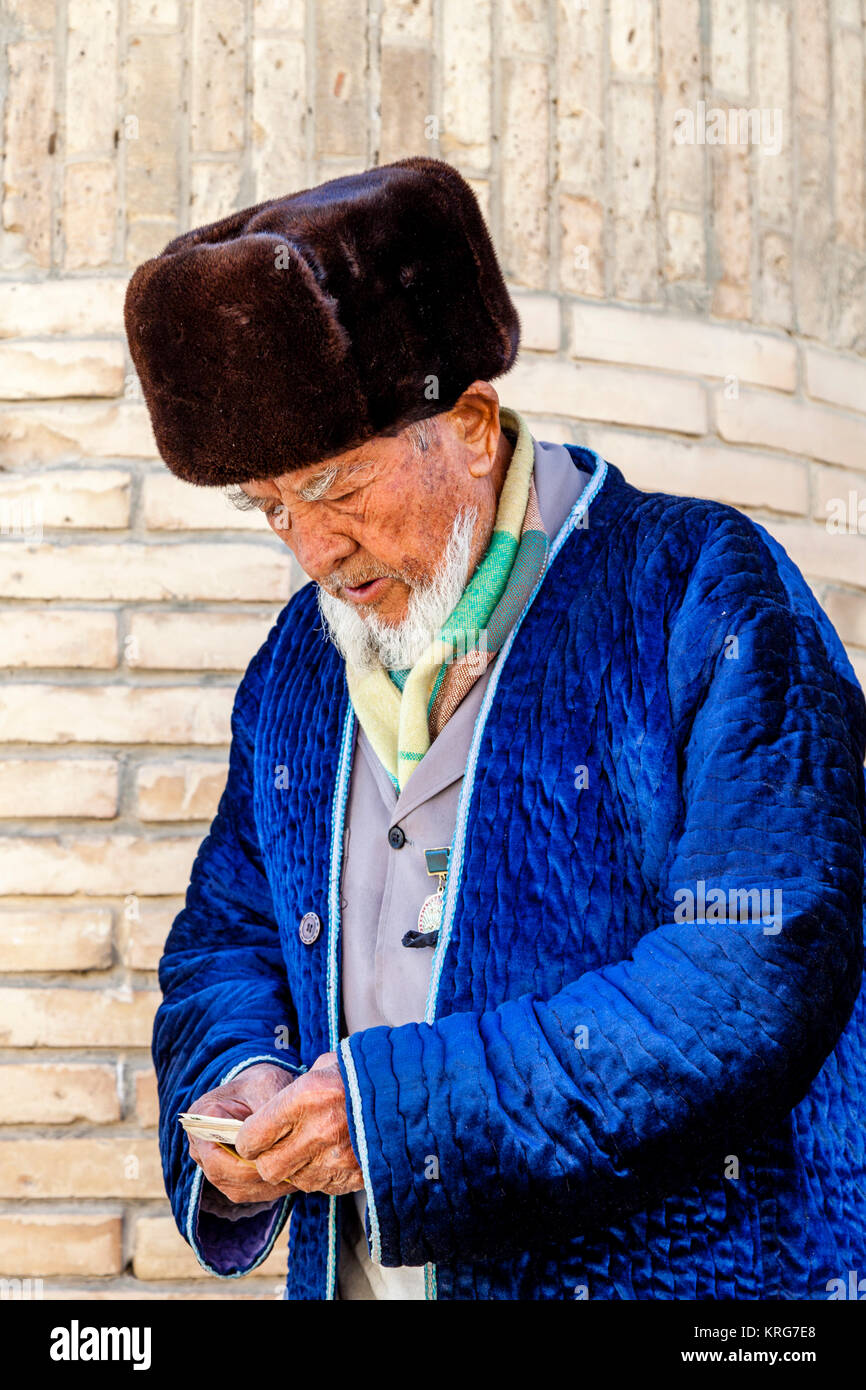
column 322, row 482
column 244, row 501
column 312, row 490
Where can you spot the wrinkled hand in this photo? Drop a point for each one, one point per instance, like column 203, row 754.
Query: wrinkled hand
column 302, row 1134
column 248, row 1092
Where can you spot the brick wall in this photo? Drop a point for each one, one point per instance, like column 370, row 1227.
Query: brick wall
column 695, row 311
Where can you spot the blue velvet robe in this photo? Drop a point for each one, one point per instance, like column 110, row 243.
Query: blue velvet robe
column 613, row 1096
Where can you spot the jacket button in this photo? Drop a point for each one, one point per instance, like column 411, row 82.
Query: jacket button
column 396, row 838
column 309, row 927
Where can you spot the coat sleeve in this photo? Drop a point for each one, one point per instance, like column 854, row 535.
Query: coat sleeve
column 489, row 1133
column 225, row 1000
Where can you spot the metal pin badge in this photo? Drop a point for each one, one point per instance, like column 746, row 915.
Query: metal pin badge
column 430, row 916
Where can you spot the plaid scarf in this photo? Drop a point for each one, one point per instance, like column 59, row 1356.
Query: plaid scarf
column 401, row 712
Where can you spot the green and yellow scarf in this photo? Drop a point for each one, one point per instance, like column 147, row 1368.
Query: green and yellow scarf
column 401, row 712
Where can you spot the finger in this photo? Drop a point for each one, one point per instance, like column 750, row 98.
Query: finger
column 222, row 1104
column 329, row 1172
column 232, row 1152
column 219, row 1164
column 288, row 1157
column 310, row 1178
column 316, row 1144
column 270, row 1124
column 194, row 1150
column 253, row 1190
column 240, row 1182
column 326, row 1059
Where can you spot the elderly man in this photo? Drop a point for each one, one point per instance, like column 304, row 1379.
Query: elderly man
column 527, row 940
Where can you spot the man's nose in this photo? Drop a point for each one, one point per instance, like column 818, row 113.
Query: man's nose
column 317, row 548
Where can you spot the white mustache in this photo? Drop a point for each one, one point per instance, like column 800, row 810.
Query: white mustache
column 369, row 641
column 335, row 585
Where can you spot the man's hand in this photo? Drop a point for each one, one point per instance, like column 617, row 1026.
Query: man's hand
column 248, row 1092
column 303, row 1134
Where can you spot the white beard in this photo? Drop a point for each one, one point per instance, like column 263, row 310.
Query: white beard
column 367, row 642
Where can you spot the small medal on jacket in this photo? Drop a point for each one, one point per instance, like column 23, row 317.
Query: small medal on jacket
column 430, row 916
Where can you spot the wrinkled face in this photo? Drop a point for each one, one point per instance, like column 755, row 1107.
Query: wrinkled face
column 372, row 524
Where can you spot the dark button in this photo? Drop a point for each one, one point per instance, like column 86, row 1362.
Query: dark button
column 396, row 838
column 309, row 928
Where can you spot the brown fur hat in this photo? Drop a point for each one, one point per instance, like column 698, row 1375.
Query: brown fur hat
column 295, row 330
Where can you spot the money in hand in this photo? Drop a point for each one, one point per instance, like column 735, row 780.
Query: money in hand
column 215, row 1129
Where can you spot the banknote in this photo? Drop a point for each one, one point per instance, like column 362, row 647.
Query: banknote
column 216, row 1129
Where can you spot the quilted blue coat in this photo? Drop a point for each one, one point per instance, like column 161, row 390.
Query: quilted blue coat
column 642, row 1072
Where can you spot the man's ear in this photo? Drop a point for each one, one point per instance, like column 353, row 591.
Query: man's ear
column 476, row 416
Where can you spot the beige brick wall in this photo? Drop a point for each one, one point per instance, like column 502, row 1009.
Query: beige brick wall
column 696, row 311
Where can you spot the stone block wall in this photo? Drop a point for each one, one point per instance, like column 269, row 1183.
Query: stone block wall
column 676, row 190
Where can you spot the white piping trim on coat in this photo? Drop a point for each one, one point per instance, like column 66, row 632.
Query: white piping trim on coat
column 341, row 792
column 363, row 1153
column 467, row 786
column 456, row 865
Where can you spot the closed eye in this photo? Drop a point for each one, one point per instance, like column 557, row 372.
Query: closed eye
column 245, row 503
column 269, row 505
